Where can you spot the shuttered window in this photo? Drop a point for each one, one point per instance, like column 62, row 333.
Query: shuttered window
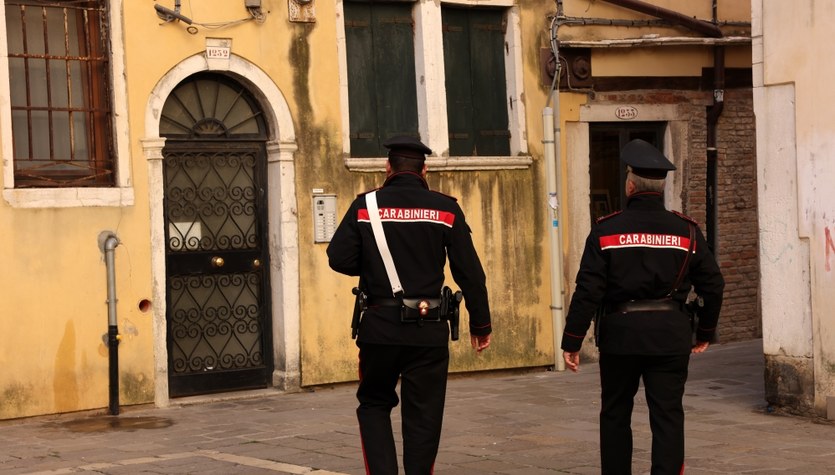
column 60, row 94
column 382, row 97
column 475, row 82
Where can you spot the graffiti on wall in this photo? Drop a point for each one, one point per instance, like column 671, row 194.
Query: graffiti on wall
column 830, row 248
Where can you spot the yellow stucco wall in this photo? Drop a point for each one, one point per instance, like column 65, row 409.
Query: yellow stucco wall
column 505, row 210
column 665, row 61
column 660, row 60
column 53, row 313
column 507, row 221
column 738, row 10
column 54, row 309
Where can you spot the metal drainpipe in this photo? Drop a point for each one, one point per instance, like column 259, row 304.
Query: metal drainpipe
column 108, row 242
column 713, row 111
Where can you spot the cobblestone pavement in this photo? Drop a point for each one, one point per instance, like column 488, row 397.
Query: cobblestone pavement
column 531, row 423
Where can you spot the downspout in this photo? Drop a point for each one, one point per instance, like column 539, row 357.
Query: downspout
column 713, row 111
column 551, row 149
column 107, row 243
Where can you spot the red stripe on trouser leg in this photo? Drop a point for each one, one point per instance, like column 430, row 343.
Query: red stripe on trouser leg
column 362, row 442
column 364, row 456
column 682, row 470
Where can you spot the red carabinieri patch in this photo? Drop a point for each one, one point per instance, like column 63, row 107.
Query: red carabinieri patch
column 655, row 241
column 410, row 215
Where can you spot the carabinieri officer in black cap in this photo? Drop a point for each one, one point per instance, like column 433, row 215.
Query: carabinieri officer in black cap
column 422, row 228
column 636, row 272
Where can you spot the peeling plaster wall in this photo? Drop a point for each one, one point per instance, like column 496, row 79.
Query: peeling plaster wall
column 787, row 319
column 796, row 142
column 53, row 313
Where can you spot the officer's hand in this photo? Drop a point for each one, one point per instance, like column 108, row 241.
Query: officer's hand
column 572, row 360
column 480, row 342
column 700, row 347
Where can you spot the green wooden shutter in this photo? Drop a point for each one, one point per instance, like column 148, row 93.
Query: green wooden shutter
column 382, row 95
column 475, row 82
column 361, row 80
column 487, row 31
column 459, row 93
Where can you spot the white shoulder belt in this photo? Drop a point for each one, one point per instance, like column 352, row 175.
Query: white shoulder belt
column 382, row 244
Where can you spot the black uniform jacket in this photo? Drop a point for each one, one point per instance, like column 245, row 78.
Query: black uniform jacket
column 422, row 228
column 637, row 254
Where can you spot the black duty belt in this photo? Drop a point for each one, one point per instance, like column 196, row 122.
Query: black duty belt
column 411, row 303
column 411, row 310
column 660, row 305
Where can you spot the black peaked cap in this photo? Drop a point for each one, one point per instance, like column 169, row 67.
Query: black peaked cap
column 407, row 147
column 646, row 160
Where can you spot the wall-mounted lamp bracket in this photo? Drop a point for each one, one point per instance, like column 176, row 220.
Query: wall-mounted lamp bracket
column 167, row 15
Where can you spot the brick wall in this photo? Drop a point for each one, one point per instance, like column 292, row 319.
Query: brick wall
column 737, row 226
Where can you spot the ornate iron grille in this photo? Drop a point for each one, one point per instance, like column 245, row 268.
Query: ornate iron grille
column 216, row 322
column 211, row 200
column 210, row 106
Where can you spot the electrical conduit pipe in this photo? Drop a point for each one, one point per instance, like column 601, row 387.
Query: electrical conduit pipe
column 550, row 146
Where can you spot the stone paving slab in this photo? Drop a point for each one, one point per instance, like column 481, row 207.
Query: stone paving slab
column 512, row 423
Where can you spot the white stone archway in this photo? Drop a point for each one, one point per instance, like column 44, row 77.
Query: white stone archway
column 283, row 232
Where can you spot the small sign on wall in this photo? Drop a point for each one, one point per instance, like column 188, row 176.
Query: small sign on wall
column 626, row 112
column 218, row 53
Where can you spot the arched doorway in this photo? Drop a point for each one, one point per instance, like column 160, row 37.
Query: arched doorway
column 218, row 318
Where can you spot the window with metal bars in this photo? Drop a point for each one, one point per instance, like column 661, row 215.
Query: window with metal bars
column 60, row 93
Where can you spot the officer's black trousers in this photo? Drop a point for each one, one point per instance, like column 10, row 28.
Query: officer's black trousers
column 664, row 378
column 423, row 376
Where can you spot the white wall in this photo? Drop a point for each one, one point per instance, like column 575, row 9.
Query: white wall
column 796, row 173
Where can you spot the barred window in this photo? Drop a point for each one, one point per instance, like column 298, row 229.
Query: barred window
column 60, row 93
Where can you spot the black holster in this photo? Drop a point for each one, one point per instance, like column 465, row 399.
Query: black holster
column 360, row 306
column 450, row 303
column 601, row 311
column 692, row 308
